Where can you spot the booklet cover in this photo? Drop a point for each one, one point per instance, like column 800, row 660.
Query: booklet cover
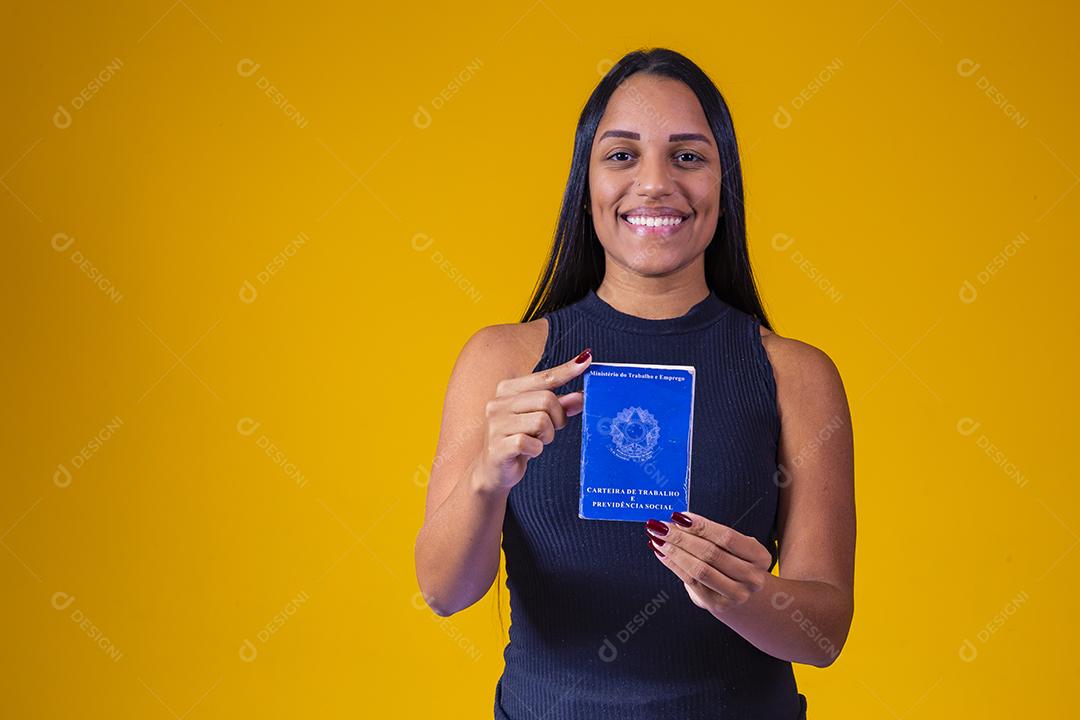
column 636, row 432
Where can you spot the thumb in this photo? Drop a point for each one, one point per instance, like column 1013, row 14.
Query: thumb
column 695, row 597
column 573, row 403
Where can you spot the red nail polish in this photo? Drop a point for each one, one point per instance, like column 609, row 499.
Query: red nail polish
column 583, row 356
column 681, row 519
column 656, row 526
column 658, row 553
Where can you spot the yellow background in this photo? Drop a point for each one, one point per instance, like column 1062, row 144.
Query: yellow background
column 422, row 152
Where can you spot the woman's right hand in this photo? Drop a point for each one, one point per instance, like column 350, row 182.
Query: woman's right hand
column 522, row 418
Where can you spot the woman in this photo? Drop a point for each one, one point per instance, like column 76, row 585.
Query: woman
column 649, row 265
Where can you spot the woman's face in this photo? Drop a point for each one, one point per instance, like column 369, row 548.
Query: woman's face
column 654, row 156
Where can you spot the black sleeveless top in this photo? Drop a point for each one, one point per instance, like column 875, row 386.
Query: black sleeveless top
column 599, row 628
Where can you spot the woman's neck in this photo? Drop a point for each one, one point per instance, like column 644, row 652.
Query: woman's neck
column 653, row 298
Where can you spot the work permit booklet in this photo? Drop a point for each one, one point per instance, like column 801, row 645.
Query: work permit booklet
column 636, row 432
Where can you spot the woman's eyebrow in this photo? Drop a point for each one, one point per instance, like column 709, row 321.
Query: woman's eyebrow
column 676, row 137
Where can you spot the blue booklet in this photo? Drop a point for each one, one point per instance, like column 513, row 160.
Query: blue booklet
column 636, row 432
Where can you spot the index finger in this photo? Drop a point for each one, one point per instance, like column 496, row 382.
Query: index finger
column 547, row 379
column 730, row 539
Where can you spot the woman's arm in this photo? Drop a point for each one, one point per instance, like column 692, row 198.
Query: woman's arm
column 805, row 614
column 457, row 549
column 497, row 416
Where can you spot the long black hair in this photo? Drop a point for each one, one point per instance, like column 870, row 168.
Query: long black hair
column 575, row 263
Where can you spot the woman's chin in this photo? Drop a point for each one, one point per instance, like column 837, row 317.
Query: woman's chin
column 657, row 267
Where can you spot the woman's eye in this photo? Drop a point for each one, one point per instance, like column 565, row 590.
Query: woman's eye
column 692, row 156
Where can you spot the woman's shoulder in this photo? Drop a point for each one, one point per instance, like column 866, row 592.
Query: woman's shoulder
column 804, row 373
column 505, row 350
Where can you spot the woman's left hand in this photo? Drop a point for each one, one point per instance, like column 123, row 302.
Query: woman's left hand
column 720, row 567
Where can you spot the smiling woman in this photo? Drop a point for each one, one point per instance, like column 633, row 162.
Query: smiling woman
column 673, row 618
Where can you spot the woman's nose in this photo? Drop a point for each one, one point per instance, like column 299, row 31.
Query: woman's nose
column 654, row 179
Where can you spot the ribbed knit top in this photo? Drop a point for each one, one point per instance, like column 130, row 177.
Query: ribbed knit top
column 599, row 628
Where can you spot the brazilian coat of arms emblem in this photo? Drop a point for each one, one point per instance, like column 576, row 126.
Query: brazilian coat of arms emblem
column 635, row 434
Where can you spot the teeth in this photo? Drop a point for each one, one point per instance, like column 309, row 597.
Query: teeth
column 646, row 221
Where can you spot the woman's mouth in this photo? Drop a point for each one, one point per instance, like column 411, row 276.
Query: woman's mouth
column 654, row 225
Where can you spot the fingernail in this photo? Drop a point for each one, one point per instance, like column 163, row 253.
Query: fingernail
column 681, row 519
column 656, row 526
column 583, row 356
column 658, row 553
